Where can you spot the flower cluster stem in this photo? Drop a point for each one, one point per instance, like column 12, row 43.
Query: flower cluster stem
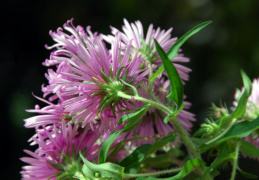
column 187, row 141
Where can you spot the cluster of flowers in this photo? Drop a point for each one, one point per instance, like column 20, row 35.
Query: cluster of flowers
column 83, row 99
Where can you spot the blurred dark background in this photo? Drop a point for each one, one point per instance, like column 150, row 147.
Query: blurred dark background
column 217, row 54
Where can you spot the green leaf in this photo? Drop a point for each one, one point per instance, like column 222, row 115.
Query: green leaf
column 249, row 149
column 154, row 76
column 106, row 170
column 173, row 51
column 106, row 146
column 134, row 119
column 241, row 107
column 161, row 161
column 161, row 143
column 246, row 82
column 135, row 114
column 177, row 90
column 223, row 155
column 167, row 119
column 133, row 161
column 188, row 167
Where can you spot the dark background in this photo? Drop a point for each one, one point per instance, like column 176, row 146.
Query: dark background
column 217, row 54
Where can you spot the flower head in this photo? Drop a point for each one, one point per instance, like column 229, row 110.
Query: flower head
column 58, row 152
column 89, row 76
column 144, row 44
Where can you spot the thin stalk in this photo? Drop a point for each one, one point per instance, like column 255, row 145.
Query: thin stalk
column 153, row 173
column 235, row 161
column 152, row 103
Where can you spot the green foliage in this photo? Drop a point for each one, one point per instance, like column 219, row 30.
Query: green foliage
column 249, row 149
column 173, row 51
column 133, row 161
column 106, row 146
column 105, row 171
column 224, row 155
column 176, row 94
column 241, row 107
column 134, row 119
column 226, row 122
column 177, row 90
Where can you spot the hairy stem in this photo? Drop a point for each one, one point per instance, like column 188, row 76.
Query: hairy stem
column 187, row 141
column 235, row 161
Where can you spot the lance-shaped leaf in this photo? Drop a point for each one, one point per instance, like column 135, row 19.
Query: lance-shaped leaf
column 241, row 107
column 133, row 161
column 105, row 171
column 173, row 51
column 249, row 149
column 133, row 120
column 106, row 146
column 176, row 93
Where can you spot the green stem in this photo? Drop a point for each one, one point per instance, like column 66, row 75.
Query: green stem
column 186, row 139
column 178, row 126
column 235, row 161
column 152, row 103
column 183, row 134
column 153, row 173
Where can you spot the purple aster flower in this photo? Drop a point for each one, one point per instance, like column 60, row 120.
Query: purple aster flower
column 88, row 75
column 145, row 44
column 58, row 152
